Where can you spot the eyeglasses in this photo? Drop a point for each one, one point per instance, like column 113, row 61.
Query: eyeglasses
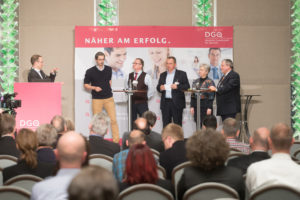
column 136, row 63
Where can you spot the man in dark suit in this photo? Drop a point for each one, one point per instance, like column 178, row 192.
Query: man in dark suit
column 7, row 141
column 36, row 74
column 98, row 128
column 171, row 85
column 175, row 152
column 228, row 91
column 259, row 145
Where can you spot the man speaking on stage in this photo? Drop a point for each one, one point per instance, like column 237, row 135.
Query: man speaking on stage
column 228, row 91
column 36, row 73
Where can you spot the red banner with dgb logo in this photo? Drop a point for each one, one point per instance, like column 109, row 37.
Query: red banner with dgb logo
column 40, row 102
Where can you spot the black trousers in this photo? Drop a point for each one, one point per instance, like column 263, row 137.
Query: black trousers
column 169, row 112
column 228, row 116
column 203, row 111
column 138, row 109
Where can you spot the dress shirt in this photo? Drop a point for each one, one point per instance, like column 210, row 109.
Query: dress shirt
column 117, row 74
column 54, row 187
column 100, row 69
column 279, row 169
column 169, row 81
column 235, row 144
column 147, row 81
column 39, row 72
column 218, row 72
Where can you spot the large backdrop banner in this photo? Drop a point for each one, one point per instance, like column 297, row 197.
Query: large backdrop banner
column 191, row 46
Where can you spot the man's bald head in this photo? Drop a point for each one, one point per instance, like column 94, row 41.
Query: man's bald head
column 71, row 148
column 259, row 139
column 136, row 137
column 142, row 125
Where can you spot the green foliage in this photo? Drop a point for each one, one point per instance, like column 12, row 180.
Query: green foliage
column 107, row 13
column 203, row 16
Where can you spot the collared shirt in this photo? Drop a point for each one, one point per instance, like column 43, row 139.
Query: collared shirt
column 117, row 74
column 218, row 71
column 38, row 71
column 169, row 81
column 147, row 81
column 100, row 69
column 279, row 169
column 54, row 187
column 119, row 164
column 235, row 144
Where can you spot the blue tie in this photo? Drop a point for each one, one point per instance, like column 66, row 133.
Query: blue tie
column 215, row 73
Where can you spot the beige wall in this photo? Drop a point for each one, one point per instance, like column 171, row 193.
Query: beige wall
column 261, row 43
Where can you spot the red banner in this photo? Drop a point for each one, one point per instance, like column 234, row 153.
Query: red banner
column 154, row 36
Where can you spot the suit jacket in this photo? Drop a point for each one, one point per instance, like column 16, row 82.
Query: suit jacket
column 42, row 170
column 46, row 155
column 153, row 140
column 229, row 176
column 98, row 145
column 178, row 96
column 173, row 157
column 228, row 94
column 33, row 76
column 243, row 162
column 8, row 147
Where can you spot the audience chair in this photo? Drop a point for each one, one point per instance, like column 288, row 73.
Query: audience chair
column 155, row 154
column 275, row 192
column 1, row 177
column 234, row 155
column 161, row 172
column 101, row 160
column 13, row 193
column 25, row 181
column 210, row 190
column 177, row 173
column 145, row 192
column 296, row 155
column 6, row 161
column 295, row 147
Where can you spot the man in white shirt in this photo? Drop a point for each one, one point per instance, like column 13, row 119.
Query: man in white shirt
column 280, row 168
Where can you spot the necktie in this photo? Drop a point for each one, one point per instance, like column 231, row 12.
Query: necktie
column 215, row 73
column 135, row 76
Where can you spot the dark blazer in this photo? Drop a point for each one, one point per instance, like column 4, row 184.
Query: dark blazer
column 228, row 94
column 42, row 170
column 153, row 140
column 166, row 184
column 243, row 162
column 173, row 157
column 33, row 76
column 178, row 96
column 193, row 176
column 8, row 147
column 46, row 155
column 98, row 145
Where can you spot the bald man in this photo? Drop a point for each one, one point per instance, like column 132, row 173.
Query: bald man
column 135, row 137
column 259, row 146
column 71, row 153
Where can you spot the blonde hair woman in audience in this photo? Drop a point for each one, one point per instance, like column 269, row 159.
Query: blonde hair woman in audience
column 27, row 143
column 70, row 125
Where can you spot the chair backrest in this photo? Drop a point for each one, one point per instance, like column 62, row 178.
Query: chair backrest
column 177, row 173
column 1, row 177
column 145, row 192
column 296, row 155
column 155, row 154
column 275, row 192
column 210, row 190
column 25, row 181
column 161, row 172
column 6, row 161
column 14, row 193
column 234, row 155
column 101, row 160
column 295, row 147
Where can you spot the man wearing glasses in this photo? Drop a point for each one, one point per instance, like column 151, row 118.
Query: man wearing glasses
column 141, row 81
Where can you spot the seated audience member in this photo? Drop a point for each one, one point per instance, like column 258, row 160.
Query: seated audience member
column 259, row 146
column 98, row 129
column 152, row 138
column 208, row 151
column 70, row 125
column 59, row 124
column 209, row 121
column 71, row 153
column 280, row 168
column 93, row 183
column 47, row 135
column 27, row 143
column 7, row 140
column 141, row 168
column 135, row 137
column 231, row 131
column 175, row 153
